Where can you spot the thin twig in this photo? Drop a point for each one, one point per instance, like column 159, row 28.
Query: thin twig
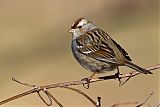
column 145, row 101
column 53, row 98
column 98, row 101
column 125, row 103
column 66, row 84
column 17, row 96
column 13, row 79
column 82, row 93
column 40, row 96
column 157, row 105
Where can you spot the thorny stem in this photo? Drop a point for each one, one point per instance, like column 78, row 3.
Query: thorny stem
column 66, row 84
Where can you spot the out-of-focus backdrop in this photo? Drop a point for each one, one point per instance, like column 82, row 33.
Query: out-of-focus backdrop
column 35, row 48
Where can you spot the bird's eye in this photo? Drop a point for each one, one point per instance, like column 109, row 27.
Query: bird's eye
column 79, row 27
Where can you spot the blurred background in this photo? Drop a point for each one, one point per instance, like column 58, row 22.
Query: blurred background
column 35, row 48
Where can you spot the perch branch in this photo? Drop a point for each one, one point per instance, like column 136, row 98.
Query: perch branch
column 72, row 83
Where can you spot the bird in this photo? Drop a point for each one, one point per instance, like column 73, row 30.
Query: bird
column 96, row 51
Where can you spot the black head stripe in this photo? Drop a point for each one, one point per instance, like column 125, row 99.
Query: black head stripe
column 76, row 23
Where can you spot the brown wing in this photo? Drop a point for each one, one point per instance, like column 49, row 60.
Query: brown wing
column 93, row 45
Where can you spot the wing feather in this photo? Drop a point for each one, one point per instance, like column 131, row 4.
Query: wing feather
column 95, row 47
column 94, row 44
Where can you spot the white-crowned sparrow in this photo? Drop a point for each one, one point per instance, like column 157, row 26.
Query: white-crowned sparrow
column 96, row 51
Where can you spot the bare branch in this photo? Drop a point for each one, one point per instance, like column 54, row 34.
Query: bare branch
column 72, row 83
column 124, row 104
column 53, row 98
column 13, row 79
column 17, row 96
column 145, row 101
column 157, row 105
column 98, row 101
column 82, row 93
column 40, row 96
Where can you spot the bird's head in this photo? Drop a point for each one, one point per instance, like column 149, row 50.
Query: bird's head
column 81, row 26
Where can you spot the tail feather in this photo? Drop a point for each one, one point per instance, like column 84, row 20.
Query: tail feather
column 137, row 68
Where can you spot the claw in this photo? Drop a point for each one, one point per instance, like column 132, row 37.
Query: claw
column 86, row 84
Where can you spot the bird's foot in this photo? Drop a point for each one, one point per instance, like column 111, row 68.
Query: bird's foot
column 119, row 78
column 86, row 82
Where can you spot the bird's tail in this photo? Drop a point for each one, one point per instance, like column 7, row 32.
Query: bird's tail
column 137, row 68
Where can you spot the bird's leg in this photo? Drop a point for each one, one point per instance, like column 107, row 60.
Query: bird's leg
column 119, row 78
column 87, row 84
column 90, row 77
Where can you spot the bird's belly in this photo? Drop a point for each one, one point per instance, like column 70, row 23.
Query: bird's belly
column 93, row 64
